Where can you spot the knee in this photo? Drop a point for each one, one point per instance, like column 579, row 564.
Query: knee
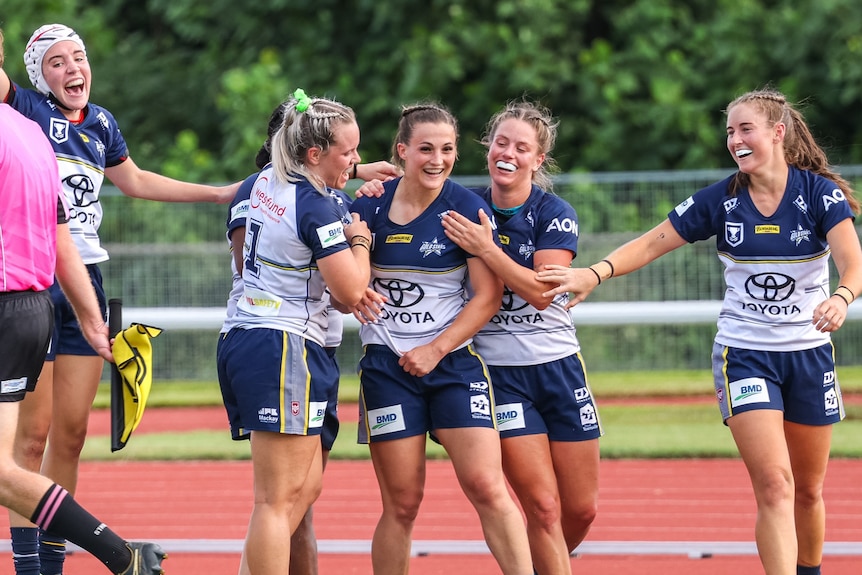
column 773, row 487
column 404, row 507
column 485, row 490
column 808, row 496
column 542, row 510
column 581, row 514
column 30, row 447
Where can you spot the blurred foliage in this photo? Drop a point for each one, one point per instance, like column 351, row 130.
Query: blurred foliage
column 637, row 84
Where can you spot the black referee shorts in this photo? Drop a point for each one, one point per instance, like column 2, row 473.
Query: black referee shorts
column 26, row 325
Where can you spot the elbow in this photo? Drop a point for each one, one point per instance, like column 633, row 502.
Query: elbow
column 540, row 303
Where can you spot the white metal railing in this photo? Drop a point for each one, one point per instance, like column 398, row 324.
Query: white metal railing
column 605, row 313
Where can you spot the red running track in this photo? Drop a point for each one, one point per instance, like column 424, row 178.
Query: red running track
column 652, row 515
column 640, row 501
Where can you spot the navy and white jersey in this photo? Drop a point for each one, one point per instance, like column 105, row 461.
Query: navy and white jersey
column 776, row 267
column 421, row 272
column 236, row 218
column 83, row 152
column 289, row 227
column 520, row 334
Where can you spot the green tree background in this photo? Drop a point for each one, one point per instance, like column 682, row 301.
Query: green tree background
column 637, row 84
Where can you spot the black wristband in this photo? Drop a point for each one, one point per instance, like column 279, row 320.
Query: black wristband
column 598, row 277
column 852, row 295
column 610, row 265
column 354, row 171
column 842, row 297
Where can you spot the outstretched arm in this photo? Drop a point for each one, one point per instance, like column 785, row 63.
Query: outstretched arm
column 625, row 259
column 137, row 183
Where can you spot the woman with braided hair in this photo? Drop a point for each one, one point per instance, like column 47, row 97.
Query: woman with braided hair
column 776, row 220
column 301, row 249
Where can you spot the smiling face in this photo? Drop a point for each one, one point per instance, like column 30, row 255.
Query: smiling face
column 514, row 154
column 334, row 165
column 753, row 142
column 67, row 73
column 429, row 155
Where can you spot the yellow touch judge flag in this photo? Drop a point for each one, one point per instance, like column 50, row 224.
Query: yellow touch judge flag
column 133, row 357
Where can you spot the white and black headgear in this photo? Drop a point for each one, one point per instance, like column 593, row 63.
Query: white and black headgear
column 39, row 43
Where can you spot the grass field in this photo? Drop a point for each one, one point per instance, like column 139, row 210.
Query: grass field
column 650, row 429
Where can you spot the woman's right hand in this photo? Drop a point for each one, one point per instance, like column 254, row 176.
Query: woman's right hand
column 370, row 189
column 357, row 227
column 368, row 310
column 580, row 282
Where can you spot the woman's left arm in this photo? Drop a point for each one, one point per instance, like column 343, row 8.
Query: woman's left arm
column 487, row 294
column 847, row 254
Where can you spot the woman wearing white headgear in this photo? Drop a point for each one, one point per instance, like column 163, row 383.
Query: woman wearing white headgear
column 89, row 146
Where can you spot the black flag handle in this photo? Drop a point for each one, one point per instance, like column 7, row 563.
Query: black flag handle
column 115, row 326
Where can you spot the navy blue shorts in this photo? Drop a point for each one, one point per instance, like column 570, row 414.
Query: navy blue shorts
column 272, row 380
column 68, row 339
column 802, row 384
column 394, row 404
column 26, row 324
column 330, row 418
column 552, row 398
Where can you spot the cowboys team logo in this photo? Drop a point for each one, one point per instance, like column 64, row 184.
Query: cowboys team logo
column 800, row 235
column 435, row 246
column 59, row 130
column 733, row 233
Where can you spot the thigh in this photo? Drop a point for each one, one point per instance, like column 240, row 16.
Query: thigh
column 285, row 466
column 529, row 467
column 576, row 466
column 809, row 447
column 76, row 380
column 399, row 465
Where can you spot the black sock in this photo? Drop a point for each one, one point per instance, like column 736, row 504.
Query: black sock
column 802, row 570
column 59, row 514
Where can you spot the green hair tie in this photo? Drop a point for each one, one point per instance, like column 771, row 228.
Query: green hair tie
column 302, row 100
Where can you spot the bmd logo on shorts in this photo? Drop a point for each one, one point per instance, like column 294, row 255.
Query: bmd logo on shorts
column 386, row 420
column 748, row 390
column 316, row 413
column 509, row 416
